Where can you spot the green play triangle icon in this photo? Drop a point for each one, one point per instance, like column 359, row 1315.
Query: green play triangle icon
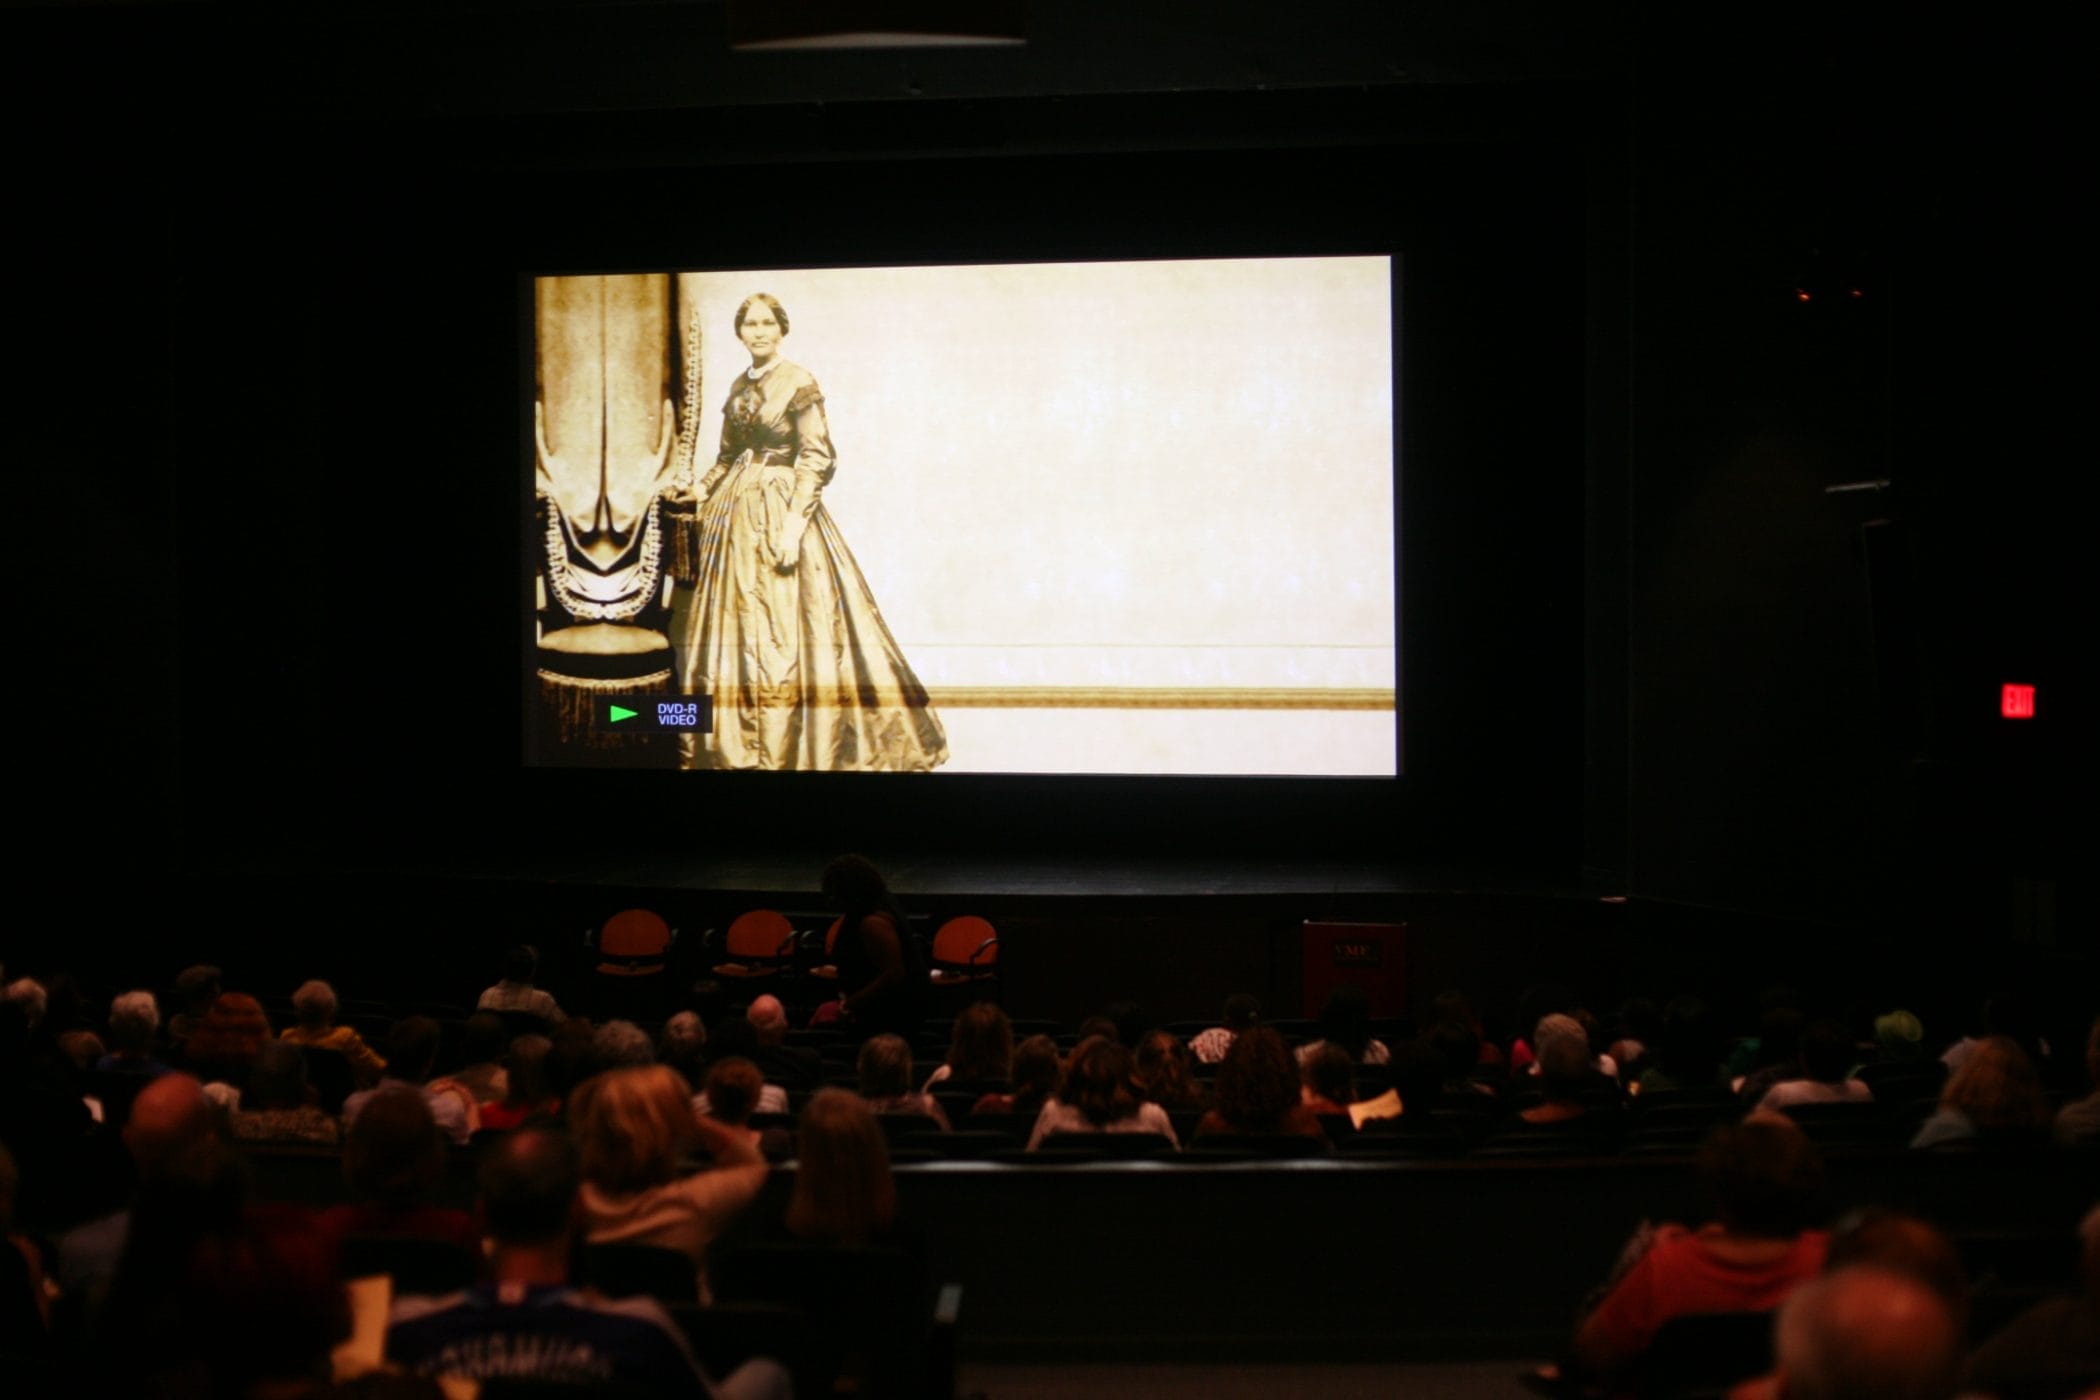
column 620, row 712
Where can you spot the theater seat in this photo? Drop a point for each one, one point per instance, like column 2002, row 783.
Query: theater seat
column 758, row 944
column 432, row 1267
column 624, row 1270
column 875, row 1326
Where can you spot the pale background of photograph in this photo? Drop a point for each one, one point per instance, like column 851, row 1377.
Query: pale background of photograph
column 1111, row 474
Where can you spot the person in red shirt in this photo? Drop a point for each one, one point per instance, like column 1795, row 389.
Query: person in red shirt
column 1766, row 1179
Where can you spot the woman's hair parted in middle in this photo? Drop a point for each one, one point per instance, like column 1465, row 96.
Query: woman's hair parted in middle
column 772, row 304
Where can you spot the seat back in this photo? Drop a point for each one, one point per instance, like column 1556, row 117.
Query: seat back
column 759, row 935
column 633, row 943
column 870, row 1312
column 1701, row 1354
column 624, row 1270
column 966, row 944
column 415, row 1265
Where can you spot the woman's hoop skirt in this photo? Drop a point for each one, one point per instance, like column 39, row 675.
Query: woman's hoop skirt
column 801, row 668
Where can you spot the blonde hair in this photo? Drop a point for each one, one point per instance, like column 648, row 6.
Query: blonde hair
column 844, row 1193
column 634, row 1126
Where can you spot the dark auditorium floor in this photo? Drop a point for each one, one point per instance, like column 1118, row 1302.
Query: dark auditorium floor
column 1473, row 1380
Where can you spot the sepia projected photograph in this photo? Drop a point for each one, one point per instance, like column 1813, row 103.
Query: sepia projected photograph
column 1108, row 518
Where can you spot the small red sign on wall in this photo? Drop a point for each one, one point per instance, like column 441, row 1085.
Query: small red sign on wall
column 2016, row 702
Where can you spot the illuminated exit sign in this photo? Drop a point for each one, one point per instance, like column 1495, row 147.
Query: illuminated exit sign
column 2016, row 701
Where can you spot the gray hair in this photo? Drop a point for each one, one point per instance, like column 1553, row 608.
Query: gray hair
column 684, row 1031
column 315, row 1002
column 134, row 1018
column 29, row 994
column 622, row 1045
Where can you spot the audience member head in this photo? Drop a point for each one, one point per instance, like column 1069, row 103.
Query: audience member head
column 733, row 1087
column 1163, row 1068
column 768, row 1018
column 844, row 1193
column 1997, row 1087
column 1330, row 1074
column 1036, row 1071
column 1867, row 1333
column 169, row 1117
column 527, row 1182
column 225, row 1043
column 1346, row 1019
column 1258, row 1082
column 683, row 1046
column 1689, row 1054
column 622, row 1045
column 983, row 1045
column 1418, row 1074
column 732, row 1035
column 855, row 887
column 315, row 1005
column 1906, row 1245
column 525, row 1071
column 1640, row 1020
column 483, row 1038
column 885, row 1067
column 1764, row 1176
column 394, row 1153
column 1900, row 1035
column 571, row 1060
column 1130, row 1022
column 1101, row 1082
column 134, row 1020
column 1096, row 1025
column 636, row 1124
column 1826, row 1051
column 1454, row 1006
column 412, row 1048
column 521, row 963
column 198, row 987
column 29, row 994
column 1560, row 1026
column 1779, row 1036
column 1456, row 1045
column 82, row 1048
column 278, row 1079
column 1564, row 1067
column 1241, row 1011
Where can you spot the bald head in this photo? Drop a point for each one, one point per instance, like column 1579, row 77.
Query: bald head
column 1866, row 1333
column 769, row 1018
column 168, row 1117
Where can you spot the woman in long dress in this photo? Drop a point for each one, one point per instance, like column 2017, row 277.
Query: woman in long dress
column 785, row 635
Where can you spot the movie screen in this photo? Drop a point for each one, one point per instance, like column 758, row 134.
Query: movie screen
column 1086, row 518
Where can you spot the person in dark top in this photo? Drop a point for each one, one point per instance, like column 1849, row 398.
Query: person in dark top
column 882, row 974
column 527, row 1324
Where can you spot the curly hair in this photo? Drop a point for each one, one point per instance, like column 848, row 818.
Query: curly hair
column 1163, row 1069
column 1258, row 1083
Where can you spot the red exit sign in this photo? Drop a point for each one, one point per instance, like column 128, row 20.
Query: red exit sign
column 2016, row 701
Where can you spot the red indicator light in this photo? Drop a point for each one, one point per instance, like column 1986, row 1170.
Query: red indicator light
column 2016, row 702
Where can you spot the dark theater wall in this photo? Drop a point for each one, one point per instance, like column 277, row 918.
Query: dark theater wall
column 259, row 261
